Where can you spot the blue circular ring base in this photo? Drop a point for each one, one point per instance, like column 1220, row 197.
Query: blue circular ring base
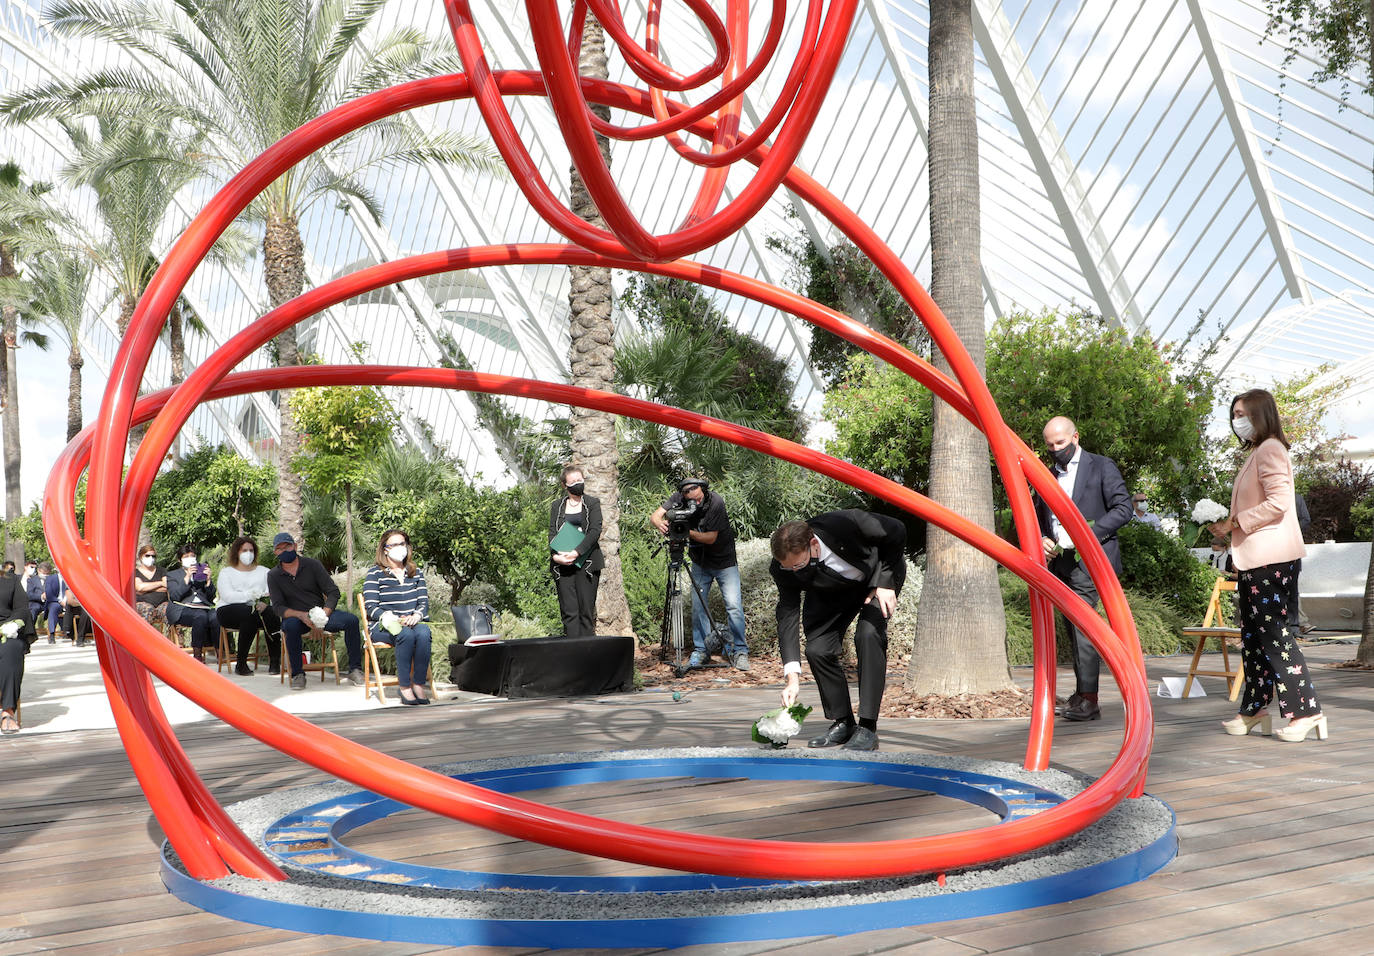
column 336, row 890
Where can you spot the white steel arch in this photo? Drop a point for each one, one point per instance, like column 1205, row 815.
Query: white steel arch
column 1152, row 162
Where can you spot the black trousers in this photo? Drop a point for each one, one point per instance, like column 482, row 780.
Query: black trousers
column 12, row 651
column 1271, row 659
column 826, row 615
column 577, row 600
column 1087, row 663
column 201, row 621
column 245, row 620
column 76, row 623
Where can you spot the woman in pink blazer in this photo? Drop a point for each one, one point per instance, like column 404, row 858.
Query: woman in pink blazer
column 1265, row 547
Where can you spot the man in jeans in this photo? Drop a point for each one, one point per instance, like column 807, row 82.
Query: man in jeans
column 297, row 586
column 712, row 550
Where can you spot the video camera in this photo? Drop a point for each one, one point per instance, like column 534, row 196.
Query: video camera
column 679, row 523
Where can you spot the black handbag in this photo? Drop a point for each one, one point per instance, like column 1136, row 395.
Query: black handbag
column 471, row 619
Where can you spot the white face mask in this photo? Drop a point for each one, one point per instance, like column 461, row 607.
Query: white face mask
column 30, row 570
column 397, row 552
column 1242, row 427
column 149, row 560
column 188, row 562
column 246, row 557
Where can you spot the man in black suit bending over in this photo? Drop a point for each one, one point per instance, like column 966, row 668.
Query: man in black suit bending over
column 849, row 564
column 1095, row 485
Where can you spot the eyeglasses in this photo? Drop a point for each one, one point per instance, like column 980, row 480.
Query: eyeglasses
column 796, row 567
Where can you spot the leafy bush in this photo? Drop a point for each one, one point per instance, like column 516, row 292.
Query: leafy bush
column 1333, row 491
column 1157, row 623
column 1159, row 565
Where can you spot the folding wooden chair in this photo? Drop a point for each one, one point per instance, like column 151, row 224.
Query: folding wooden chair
column 316, row 662
column 372, row 670
column 1214, row 625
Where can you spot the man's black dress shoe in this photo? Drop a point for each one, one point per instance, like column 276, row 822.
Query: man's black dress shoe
column 839, row 732
column 863, row 739
column 1074, row 700
column 1083, row 710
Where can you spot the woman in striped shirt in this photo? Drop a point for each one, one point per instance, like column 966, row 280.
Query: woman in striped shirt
column 397, row 604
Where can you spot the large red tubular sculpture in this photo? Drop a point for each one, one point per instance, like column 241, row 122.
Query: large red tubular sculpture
column 98, row 562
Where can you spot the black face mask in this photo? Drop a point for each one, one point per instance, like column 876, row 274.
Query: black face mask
column 1062, row 456
column 577, row 489
column 286, row 557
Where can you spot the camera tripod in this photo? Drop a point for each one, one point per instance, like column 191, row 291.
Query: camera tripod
column 672, row 611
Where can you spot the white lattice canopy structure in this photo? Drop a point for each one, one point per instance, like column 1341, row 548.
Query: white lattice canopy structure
column 1153, row 163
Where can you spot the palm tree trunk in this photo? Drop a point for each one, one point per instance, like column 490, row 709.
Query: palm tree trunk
column 176, row 344
column 960, row 642
column 14, row 500
column 348, row 544
column 284, row 261
column 74, row 363
column 1365, row 653
column 591, row 361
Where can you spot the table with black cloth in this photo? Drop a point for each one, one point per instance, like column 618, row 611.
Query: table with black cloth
column 545, row 666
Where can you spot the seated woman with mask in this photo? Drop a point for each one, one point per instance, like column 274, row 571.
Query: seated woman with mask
column 150, row 587
column 243, row 605
column 191, row 594
column 396, row 600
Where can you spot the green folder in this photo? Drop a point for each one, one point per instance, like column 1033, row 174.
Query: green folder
column 568, row 538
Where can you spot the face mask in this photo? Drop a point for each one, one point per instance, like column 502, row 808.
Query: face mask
column 149, row 560
column 188, row 562
column 286, row 557
column 1140, row 506
column 577, row 489
column 1242, row 427
column 397, row 552
column 30, row 570
column 246, row 557
column 1062, row 456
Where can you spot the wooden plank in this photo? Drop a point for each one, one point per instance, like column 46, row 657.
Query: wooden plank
column 80, row 846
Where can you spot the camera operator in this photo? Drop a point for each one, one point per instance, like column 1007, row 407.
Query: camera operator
column 711, row 546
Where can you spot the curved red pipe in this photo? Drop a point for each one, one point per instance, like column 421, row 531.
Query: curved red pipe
column 578, row 832
column 119, row 398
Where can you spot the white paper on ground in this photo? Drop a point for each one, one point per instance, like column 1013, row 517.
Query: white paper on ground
column 1173, row 687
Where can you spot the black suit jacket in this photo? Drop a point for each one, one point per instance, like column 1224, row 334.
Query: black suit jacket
column 590, row 548
column 14, row 604
column 1100, row 494
column 870, row 542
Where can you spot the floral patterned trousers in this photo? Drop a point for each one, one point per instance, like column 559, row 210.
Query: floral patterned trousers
column 1272, row 661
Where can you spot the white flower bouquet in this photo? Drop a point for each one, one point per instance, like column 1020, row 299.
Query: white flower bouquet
column 777, row 727
column 390, row 623
column 11, row 628
column 1208, row 511
column 319, row 616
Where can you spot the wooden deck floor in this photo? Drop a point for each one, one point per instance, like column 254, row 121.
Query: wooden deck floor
column 1277, row 840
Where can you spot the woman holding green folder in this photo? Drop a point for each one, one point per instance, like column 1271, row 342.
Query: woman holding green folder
column 574, row 536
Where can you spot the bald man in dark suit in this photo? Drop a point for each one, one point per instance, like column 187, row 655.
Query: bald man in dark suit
column 1097, row 489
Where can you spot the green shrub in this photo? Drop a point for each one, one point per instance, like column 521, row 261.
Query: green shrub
column 1160, row 565
column 1157, row 623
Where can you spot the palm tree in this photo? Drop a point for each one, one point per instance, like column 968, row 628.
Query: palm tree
column 14, row 222
column 960, row 642
column 245, row 75
column 591, row 362
column 54, row 292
